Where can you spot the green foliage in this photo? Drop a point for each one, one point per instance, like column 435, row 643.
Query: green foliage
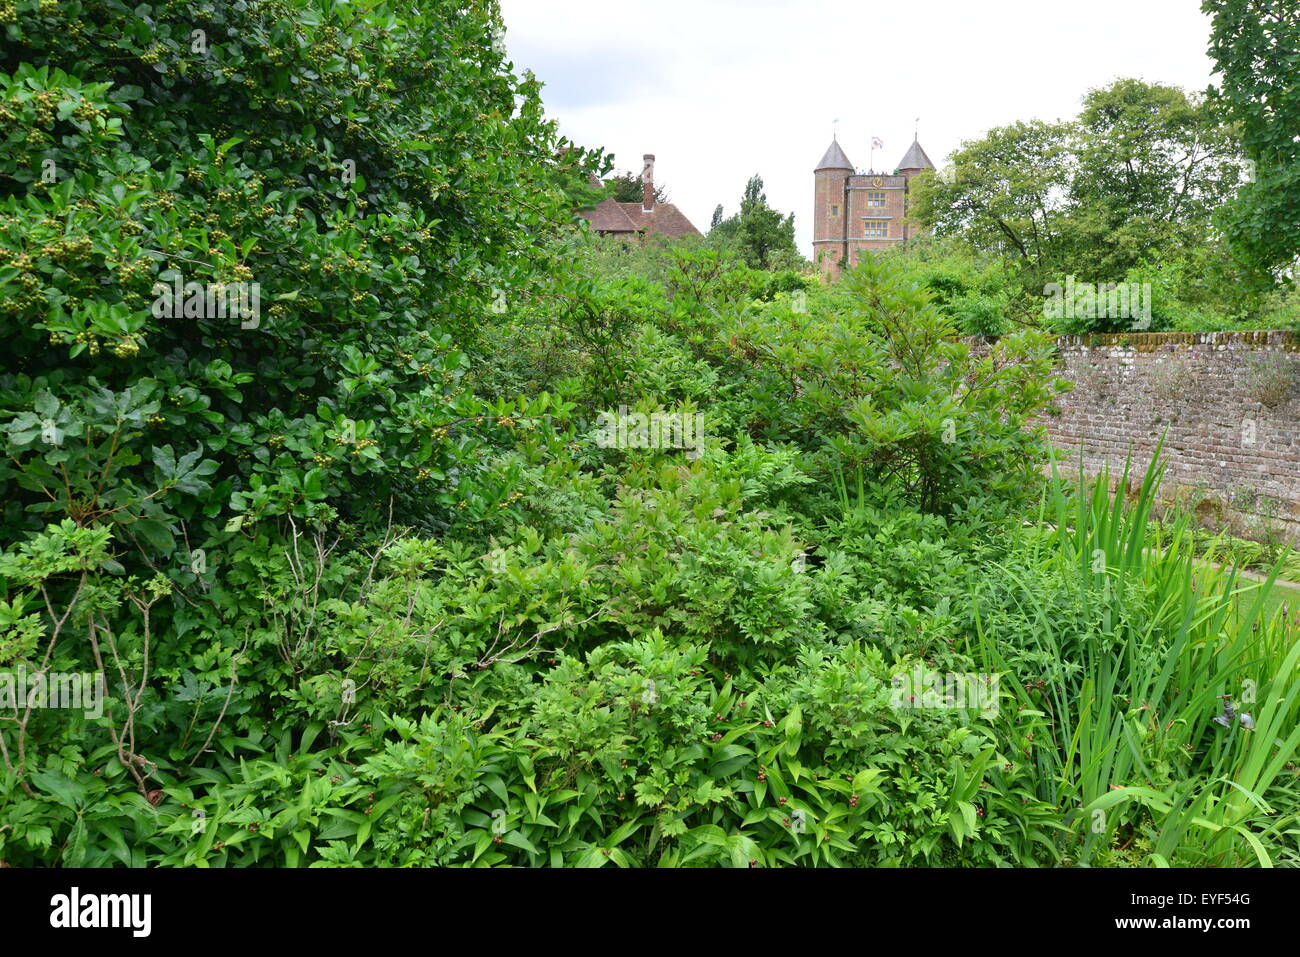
column 978, row 292
column 628, row 188
column 760, row 234
column 891, row 389
column 181, row 165
column 1137, row 179
column 1001, row 194
column 359, row 175
column 1255, row 43
column 1154, row 163
column 366, row 583
column 1132, row 656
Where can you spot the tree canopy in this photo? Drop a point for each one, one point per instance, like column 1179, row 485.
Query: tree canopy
column 1256, row 44
column 1138, row 174
column 762, row 236
column 628, row 188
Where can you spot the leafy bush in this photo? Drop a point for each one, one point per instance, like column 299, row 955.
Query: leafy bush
column 366, row 583
column 893, row 391
column 356, row 176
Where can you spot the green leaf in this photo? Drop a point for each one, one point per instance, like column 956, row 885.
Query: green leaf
column 518, row 840
column 74, row 854
column 154, row 532
column 69, row 793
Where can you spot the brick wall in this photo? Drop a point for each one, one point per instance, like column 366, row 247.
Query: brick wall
column 1230, row 402
column 829, row 191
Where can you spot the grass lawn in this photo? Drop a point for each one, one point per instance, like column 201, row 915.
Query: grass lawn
column 1282, row 593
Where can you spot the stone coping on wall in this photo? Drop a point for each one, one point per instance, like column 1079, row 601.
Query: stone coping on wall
column 1152, row 341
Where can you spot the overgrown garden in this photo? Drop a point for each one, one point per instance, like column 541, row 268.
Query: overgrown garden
column 399, row 568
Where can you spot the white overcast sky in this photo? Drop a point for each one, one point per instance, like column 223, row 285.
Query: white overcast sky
column 721, row 89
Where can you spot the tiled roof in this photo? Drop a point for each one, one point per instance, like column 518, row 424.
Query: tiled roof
column 609, row 217
column 915, row 158
column 834, row 158
column 664, row 218
column 615, row 217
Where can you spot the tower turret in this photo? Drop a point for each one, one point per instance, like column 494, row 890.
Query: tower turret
column 830, row 206
column 914, row 161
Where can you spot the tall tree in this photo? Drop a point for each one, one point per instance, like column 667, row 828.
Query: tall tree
column 626, row 188
column 760, row 233
column 1004, row 194
column 1152, row 164
column 1256, row 44
column 1138, row 175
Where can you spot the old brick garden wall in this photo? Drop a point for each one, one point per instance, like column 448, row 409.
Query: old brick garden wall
column 1229, row 400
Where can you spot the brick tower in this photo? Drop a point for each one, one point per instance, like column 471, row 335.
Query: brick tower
column 857, row 212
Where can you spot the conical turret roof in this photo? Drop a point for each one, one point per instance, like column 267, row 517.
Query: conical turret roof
column 834, row 158
column 915, row 158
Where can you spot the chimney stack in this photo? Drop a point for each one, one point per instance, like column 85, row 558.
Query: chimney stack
column 648, row 183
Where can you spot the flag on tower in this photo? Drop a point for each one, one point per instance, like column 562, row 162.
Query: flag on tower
column 877, row 143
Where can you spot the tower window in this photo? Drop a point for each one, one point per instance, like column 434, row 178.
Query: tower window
column 835, row 210
column 875, row 228
column 876, row 199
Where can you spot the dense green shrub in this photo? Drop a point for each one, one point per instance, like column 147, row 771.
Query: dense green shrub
column 272, row 149
column 884, row 384
column 372, row 181
column 370, row 585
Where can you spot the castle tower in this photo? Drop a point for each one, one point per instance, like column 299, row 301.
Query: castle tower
column 913, row 163
column 830, row 208
column 858, row 213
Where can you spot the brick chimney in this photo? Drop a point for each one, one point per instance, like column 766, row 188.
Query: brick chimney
column 648, row 183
